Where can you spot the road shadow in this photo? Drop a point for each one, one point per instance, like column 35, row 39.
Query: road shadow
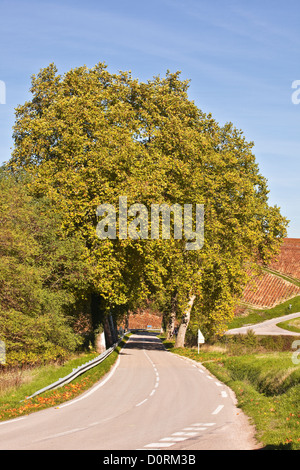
column 144, row 340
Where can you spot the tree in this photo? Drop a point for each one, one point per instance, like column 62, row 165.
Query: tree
column 44, row 277
column 89, row 137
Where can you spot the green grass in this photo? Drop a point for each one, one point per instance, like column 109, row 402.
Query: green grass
column 24, row 382
column 291, row 325
column 256, row 316
column 266, row 384
column 13, row 402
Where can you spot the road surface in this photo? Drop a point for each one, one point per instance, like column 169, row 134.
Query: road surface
column 268, row 327
column 151, row 399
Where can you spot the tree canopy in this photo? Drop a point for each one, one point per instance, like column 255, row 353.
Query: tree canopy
column 89, row 136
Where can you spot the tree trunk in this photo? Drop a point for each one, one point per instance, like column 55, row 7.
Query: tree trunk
column 100, row 343
column 126, row 321
column 108, row 334
column 171, row 324
column 97, row 314
column 172, row 318
column 113, row 329
column 179, row 343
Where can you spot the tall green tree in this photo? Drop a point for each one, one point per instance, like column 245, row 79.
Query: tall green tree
column 44, row 276
column 89, row 137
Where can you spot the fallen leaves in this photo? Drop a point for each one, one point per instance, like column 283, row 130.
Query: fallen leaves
column 54, row 398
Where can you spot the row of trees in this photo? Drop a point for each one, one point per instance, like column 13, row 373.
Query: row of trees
column 88, row 137
column 44, row 277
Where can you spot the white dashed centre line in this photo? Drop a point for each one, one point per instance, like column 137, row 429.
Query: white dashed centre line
column 174, row 439
column 160, row 444
column 194, row 429
column 191, row 430
column 156, row 380
column 218, row 409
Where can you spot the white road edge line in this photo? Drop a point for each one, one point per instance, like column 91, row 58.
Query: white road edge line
column 11, row 421
column 95, row 388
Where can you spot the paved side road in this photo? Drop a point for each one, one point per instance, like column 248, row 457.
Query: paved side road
column 151, row 399
column 268, row 327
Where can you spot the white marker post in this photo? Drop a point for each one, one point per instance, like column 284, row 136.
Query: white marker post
column 201, row 339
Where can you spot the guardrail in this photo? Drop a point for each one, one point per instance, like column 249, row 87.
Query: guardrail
column 78, row 371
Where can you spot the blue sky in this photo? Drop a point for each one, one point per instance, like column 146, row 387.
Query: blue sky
column 241, row 57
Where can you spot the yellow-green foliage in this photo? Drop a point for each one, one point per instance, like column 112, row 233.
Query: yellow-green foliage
column 89, row 136
column 43, row 273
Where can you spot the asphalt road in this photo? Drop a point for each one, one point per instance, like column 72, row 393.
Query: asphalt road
column 151, row 399
column 268, row 327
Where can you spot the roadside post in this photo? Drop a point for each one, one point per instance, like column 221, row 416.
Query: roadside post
column 201, row 339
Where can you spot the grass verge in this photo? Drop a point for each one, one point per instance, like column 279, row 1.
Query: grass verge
column 13, row 403
column 266, row 384
column 291, row 325
column 256, row 316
